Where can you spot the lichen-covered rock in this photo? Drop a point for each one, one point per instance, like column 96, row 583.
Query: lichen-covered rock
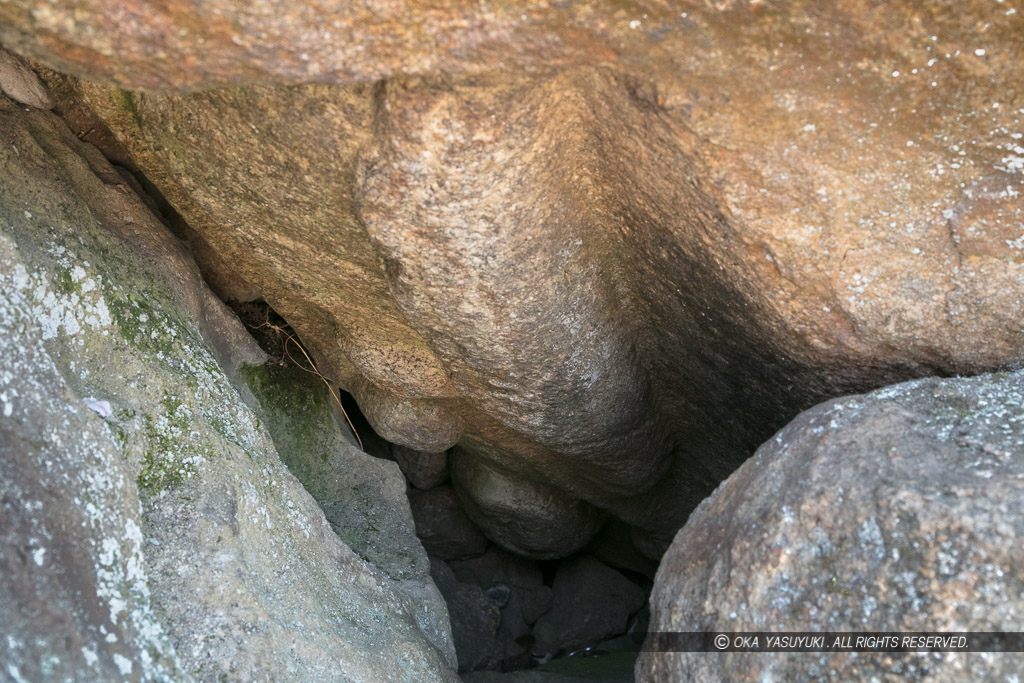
column 898, row 510
column 149, row 529
column 612, row 272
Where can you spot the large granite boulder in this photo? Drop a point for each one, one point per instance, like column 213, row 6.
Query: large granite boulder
column 148, row 528
column 611, row 272
column 898, row 510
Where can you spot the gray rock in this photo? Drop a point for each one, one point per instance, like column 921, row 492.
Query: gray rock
column 423, row 470
column 592, row 602
column 442, row 526
column 498, row 566
column 363, row 497
column 149, row 529
column 898, row 510
column 529, row 597
column 475, row 619
column 19, row 82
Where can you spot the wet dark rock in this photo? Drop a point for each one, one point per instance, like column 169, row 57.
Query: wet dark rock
column 616, row 546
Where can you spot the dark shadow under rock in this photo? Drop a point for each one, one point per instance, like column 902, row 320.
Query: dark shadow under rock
column 423, row 470
column 592, row 602
column 442, row 526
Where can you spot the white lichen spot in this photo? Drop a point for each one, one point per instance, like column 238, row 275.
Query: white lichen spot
column 124, row 665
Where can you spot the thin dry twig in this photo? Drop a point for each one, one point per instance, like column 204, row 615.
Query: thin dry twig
column 289, row 337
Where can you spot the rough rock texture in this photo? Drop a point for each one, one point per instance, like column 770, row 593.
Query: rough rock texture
column 532, row 520
column 423, row 470
column 592, row 602
column 518, row 587
column 443, row 527
column 362, row 497
column 148, row 529
column 609, row 248
column 19, row 82
column 898, row 510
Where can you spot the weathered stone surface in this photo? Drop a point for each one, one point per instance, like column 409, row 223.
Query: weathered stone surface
column 362, row 497
column 592, row 602
column 611, row 281
column 532, row 520
column 19, row 82
column 898, row 510
column 149, row 528
column 442, row 526
column 423, row 470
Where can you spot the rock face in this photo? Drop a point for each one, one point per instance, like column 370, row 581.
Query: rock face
column 475, row 620
column 148, row 528
column 423, row 470
column 592, row 602
column 611, row 248
column 362, row 497
column 19, row 82
column 898, row 510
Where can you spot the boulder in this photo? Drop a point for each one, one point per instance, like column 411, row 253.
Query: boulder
column 442, row 526
column 475, row 618
column 148, row 528
column 362, row 497
column 607, row 248
column 423, row 470
column 897, row 510
column 592, row 602
column 528, row 597
column 528, row 519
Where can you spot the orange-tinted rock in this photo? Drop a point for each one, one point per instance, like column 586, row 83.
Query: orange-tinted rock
column 608, row 281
